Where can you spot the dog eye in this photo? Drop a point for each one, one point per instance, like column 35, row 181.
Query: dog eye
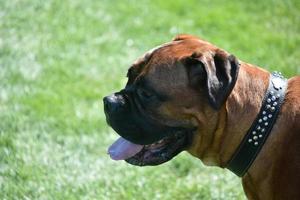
column 145, row 94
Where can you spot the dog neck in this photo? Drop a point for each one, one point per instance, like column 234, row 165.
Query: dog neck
column 217, row 140
column 242, row 107
column 217, row 143
column 273, row 154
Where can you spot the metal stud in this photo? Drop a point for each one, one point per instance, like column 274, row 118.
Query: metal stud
column 258, row 128
column 270, row 115
column 265, row 118
column 268, row 106
column 275, row 103
column 266, row 123
column 260, row 120
column 273, row 98
column 272, row 109
column 250, row 140
column 253, row 132
column 263, row 130
column 264, row 112
column 255, row 137
column 277, row 96
column 269, row 100
column 272, row 92
column 255, row 143
column 260, row 135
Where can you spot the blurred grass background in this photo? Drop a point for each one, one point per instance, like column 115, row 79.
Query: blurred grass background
column 59, row 58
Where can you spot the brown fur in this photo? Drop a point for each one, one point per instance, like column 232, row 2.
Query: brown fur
column 275, row 173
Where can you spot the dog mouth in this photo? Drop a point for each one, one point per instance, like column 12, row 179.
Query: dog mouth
column 152, row 154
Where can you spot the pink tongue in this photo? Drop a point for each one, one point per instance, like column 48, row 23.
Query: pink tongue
column 123, row 149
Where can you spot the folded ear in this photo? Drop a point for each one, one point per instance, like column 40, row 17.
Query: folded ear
column 217, row 72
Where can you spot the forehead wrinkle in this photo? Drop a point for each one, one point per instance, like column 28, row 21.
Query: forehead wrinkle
column 166, row 55
column 146, row 57
column 150, row 57
column 140, row 65
column 168, row 79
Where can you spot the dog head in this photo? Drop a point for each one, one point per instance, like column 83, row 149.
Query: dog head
column 172, row 91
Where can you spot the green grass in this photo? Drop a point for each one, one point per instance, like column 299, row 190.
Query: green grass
column 59, row 58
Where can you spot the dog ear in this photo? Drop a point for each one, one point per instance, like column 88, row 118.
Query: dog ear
column 216, row 71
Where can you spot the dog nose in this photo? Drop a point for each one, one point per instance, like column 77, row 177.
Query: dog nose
column 113, row 103
column 109, row 103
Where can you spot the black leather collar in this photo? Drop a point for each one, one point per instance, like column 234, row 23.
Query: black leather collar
column 261, row 127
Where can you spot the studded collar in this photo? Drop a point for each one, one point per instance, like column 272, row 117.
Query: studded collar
column 261, row 127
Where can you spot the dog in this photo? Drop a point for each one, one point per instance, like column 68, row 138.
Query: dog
column 189, row 95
